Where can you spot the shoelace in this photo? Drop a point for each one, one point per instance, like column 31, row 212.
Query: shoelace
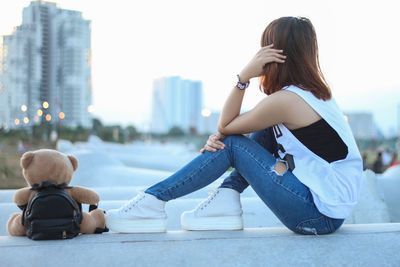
column 132, row 203
column 205, row 203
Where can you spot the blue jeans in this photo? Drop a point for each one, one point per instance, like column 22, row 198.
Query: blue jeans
column 253, row 160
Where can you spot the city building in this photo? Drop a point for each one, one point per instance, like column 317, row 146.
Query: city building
column 210, row 121
column 362, row 125
column 20, row 77
column 45, row 70
column 177, row 102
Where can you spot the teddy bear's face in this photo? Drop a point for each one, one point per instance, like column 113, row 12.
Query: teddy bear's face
column 48, row 165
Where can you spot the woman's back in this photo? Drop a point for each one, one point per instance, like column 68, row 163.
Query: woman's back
column 334, row 184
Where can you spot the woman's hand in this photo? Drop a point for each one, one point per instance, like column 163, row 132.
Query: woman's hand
column 264, row 56
column 213, row 143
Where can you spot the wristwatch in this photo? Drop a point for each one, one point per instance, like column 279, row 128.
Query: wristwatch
column 240, row 85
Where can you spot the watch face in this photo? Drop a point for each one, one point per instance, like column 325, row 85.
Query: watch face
column 241, row 86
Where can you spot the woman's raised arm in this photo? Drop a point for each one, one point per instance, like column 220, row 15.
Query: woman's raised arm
column 230, row 121
column 269, row 111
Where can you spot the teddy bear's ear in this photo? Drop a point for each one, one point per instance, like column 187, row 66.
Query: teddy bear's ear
column 26, row 159
column 74, row 162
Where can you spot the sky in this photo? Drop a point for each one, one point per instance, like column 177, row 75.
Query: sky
column 135, row 42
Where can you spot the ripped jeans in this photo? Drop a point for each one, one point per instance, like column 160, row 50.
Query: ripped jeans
column 253, row 162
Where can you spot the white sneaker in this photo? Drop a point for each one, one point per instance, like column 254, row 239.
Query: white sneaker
column 220, row 211
column 143, row 214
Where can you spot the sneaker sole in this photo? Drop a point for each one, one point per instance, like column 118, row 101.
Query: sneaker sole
column 213, row 223
column 136, row 226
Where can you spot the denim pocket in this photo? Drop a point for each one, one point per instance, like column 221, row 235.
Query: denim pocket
column 318, row 226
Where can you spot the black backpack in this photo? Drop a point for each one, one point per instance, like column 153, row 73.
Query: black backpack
column 52, row 214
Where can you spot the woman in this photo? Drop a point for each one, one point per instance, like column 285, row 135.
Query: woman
column 301, row 158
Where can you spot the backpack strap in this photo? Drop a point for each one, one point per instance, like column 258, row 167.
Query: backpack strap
column 49, row 184
column 92, row 207
column 98, row 230
column 101, row 230
column 22, row 207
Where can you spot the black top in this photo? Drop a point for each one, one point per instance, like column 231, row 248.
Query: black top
column 322, row 140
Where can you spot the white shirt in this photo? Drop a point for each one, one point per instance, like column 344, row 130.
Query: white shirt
column 334, row 186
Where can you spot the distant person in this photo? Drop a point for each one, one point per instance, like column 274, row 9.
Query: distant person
column 20, row 147
column 394, row 161
column 377, row 167
column 386, row 157
column 301, row 158
column 364, row 159
column 26, row 146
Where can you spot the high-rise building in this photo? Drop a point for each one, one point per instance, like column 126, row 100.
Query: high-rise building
column 363, row 125
column 177, row 102
column 20, row 76
column 46, row 68
column 210, row 121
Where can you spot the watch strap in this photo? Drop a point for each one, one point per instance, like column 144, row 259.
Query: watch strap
column 240, row 85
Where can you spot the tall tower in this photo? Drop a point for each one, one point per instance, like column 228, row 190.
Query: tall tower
column 46, row 67
column 176, row 102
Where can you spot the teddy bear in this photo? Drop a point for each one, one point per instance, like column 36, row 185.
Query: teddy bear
column 50, row 165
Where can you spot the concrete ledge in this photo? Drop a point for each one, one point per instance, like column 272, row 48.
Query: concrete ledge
column 352, row 245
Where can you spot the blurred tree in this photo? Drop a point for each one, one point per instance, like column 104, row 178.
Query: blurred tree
column 175, row 131
column 193, row 130
column 5, row 170
column 73, row 134
column 107, row 134
column 97, row 127
column 132, row 133
column 39, row 132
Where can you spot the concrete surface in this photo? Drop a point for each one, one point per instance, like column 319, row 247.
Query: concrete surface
column 371, row 207
column 389, row 183
column 351, row 245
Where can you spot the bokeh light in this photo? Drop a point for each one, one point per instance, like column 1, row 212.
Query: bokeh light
column 206, row 112
column 90, row 108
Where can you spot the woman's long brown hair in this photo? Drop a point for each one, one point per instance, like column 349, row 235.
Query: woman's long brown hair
column 296, row 36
